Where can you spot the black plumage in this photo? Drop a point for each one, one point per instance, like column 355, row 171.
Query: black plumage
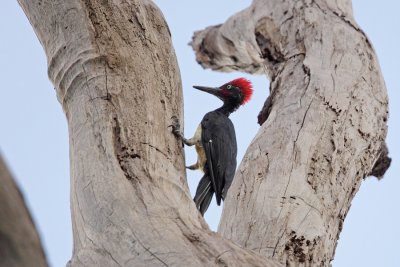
column 219, row 143
column 215, row 142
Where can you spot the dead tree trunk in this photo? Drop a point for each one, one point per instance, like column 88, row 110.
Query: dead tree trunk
column 323, row 125
column 117, row 79
column 19, row 241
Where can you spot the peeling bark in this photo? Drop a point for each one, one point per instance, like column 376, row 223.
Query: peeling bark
column 323, row 125
column 19, row 241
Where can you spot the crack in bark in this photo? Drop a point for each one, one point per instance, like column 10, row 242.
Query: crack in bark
column 302, row 122
column 111, row 256
column 154, row 255
column 345, row 20
column 291, row 171
column 157, row 149
column 305, row 217
column 83, row 227
column 308, row 204
column 286, row 20
column 276, row 245
column 122, row 153
column 147, row 249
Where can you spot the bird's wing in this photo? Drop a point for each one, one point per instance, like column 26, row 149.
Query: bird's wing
column 219, row 142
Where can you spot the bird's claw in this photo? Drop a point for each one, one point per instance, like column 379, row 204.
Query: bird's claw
column 175, row 126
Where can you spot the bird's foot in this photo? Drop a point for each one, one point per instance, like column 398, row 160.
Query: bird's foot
column 176, row 126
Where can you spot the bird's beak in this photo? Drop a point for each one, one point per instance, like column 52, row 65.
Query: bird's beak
column 211, row 90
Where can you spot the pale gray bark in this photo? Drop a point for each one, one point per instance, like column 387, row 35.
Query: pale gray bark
column 116, row 76
column 19, row 241
column 323, row 125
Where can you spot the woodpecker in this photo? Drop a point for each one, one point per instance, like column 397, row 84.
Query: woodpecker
column 215, row 142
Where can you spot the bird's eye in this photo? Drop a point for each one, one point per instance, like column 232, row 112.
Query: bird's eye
column 229, row 87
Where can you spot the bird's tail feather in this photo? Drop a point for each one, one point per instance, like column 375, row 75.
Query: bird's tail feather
column 204, row 194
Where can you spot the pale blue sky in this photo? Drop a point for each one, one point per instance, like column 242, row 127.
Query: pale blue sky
column 34, row 137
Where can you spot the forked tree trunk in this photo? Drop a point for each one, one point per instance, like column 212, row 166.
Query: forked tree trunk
column 323, row 125
column 19, row 241
column 117, row 79
column 116, row 76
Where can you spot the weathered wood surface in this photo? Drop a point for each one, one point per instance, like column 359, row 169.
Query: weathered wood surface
column 116, row 76
column 323, row 125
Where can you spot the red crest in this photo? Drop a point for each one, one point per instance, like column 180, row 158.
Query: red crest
column 246, row 88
